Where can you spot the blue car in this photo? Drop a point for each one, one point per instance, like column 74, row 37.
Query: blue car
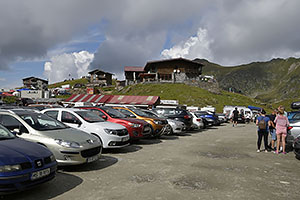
column 23, row 164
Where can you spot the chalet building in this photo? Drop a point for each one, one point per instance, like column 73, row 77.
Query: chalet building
column 35, row 83
column 132, row 74
column 100, row 78
column 178, row 70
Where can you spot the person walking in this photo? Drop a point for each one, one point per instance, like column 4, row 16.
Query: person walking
column 272, row 129
column 282, row 123
column 235, row 117
column 263, row 124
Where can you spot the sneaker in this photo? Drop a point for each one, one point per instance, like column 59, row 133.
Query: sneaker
column 284, row 152
column 258, row 151
column 266, row 151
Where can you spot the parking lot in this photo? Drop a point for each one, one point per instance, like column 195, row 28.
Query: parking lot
column 216, row 163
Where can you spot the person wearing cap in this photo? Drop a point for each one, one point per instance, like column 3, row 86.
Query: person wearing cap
column 263, row 123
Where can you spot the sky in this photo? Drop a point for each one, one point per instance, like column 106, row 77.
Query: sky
column 62, row 39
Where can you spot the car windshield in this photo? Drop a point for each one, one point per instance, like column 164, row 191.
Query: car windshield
column 139, row 112
column 150, row 114
column 5, row 134
column 169, row 111
column 113, row 113
column 89, row 116
column 42, row 122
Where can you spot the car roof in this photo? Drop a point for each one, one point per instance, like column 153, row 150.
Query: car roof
column 66, row 109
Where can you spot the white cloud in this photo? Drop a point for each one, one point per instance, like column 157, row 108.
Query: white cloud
column 2, row 79
column 65, row 66
column 195, row 46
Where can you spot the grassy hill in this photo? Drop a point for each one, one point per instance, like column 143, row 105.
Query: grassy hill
column 272, row 81
column 189, row 95
column 71, row 82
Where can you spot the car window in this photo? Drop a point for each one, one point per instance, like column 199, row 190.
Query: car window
column 296, row 116
column 139, row 112
column 69, row 118
column 150, row 114
column 89, row 116
column 12, row 123
column 114, row 113
column 41, row 121
column 4, row 133
column 97, row 112
column 52, row 113
column 126, row 112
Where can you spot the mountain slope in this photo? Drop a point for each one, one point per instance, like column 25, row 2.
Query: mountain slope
column 189, row 95
column 270, row 81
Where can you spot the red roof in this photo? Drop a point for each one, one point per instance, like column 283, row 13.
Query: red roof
column 92, row 98
column 133, row 69
column 134, row 100
column 114, row 99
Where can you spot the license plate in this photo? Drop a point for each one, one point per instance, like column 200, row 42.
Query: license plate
column 92, row 159
column 125, row 138
column 40, row 174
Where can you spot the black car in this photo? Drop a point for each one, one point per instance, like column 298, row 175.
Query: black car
column 296, row 146
column 176, row 114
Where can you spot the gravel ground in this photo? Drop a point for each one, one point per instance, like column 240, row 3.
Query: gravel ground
column 217, row 163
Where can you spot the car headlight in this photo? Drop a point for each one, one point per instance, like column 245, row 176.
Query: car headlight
column 111, row 131
column 68, row 144
column 52, row 158
column 10, row 168
column 134, row 125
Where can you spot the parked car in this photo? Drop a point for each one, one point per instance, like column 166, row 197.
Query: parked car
column 23, row 164
column 157, row 125
column 222, row 117
column 176, row 114
column 69, row 146
column 173, row 126
column 197, row 122
column 210, row 117
column 296, row 146
column 43, row 106
column 136, row 128
column 110, row 134
column 294, row 116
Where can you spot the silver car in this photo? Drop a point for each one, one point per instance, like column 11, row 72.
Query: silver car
column 69, row 146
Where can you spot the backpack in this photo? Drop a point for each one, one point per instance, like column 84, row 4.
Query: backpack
column 262, row 125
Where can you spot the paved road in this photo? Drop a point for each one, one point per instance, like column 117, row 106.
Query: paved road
column 218, row 163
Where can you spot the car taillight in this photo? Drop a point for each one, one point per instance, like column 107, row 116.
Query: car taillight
column 289, row 128
column 199, row 120
column 186, row 117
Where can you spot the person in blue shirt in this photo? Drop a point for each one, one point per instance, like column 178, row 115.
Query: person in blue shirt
column 263, row 124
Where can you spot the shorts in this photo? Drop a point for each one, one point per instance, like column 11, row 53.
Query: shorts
column 273, row 134
column 235, row 119
column 281, row 131
column 279, row 134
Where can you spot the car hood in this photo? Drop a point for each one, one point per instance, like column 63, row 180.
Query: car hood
column 70, row 134
column 109, row 125
column 14, row 151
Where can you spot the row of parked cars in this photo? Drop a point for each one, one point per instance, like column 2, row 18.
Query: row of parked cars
column 293, row 138
column 34, row 142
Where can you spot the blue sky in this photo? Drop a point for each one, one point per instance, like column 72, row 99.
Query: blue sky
column 52, row 39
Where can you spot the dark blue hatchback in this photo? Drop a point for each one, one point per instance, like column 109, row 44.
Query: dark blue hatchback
column 23, row 164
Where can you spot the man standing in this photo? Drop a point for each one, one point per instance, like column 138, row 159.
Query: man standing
column 263, row 124
column 235, row 117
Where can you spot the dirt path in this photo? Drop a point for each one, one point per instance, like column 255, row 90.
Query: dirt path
column 218, row 163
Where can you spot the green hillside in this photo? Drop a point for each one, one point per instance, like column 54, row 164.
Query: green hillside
column 71, row 82
column 272, row 81
column 189, row 95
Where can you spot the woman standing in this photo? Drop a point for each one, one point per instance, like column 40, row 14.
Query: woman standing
column 282, row 123
column 263, row 124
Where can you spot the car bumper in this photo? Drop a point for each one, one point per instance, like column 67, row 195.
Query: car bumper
column 78, row 157
column 114, row 141
column 23, row 181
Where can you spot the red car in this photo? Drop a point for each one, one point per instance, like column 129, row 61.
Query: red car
column 137, row 128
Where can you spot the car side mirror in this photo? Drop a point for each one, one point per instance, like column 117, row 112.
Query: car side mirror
column 16, row 131
column 104, row 117
column 78, row 122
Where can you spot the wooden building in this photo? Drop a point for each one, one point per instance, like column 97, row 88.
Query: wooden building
column 176, row 70
column 100, row 78
column 35, row 83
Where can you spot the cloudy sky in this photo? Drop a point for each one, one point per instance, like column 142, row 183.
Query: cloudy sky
column 63, row 39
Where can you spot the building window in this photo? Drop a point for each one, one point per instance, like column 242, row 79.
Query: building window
column 165, row 77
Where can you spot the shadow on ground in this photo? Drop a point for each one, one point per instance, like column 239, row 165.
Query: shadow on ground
column 62, row 183
column 102, row 163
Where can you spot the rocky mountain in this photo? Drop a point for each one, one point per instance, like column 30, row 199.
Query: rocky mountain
column 272, row 81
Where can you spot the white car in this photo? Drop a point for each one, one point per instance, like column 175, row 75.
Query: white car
column 111, row 135
column 197, row 122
